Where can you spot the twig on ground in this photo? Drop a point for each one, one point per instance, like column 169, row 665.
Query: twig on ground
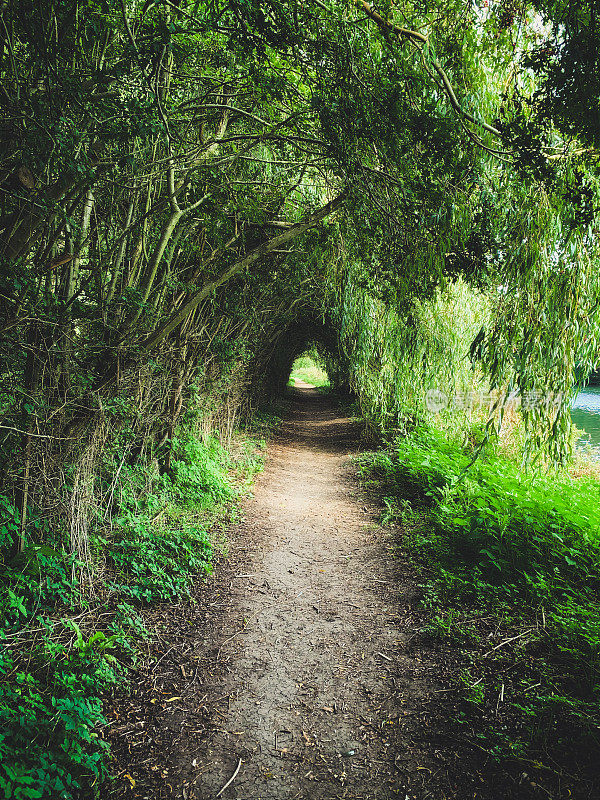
column 383, row 655
column 161, row 658
column 229, row 639
column 508, row 641
column 231, row 780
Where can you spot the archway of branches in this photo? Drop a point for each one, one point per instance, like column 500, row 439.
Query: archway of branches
column 306, row 332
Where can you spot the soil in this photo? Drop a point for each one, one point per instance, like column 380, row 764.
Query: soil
column 299, row 668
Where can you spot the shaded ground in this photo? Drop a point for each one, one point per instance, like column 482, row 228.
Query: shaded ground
column 300, row 668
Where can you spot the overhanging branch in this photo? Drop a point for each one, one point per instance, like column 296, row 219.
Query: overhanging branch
column 420, row 39
column 233, row 269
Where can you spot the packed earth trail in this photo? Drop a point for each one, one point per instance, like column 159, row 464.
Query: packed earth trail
column 295, row 674
column 315, row 631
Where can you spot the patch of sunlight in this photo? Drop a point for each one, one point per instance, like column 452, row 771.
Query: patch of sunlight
column 306, row 369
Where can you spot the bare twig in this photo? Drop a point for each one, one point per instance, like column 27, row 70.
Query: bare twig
column 231, row 780
column 508, row 641
column 38, row 435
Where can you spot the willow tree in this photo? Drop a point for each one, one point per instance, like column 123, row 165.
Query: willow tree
column 164, row 163
column 471, row 143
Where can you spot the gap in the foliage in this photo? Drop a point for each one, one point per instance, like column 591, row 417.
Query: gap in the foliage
column 308, row 368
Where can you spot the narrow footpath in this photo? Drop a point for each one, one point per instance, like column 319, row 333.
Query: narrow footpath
column 294, row 675
column 317, row 630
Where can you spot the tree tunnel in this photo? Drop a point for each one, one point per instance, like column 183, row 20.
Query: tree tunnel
column 275, row 359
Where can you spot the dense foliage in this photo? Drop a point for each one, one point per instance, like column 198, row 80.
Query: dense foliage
column 510, row 570
column 66, row 643
column 192, row 193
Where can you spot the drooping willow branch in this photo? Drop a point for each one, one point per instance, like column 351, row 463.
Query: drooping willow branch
column 422, row 39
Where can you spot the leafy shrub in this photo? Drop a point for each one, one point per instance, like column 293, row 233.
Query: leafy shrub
column 52, row 680
column 199, row 472
column 154, row 565
column 49, row 714
column 38, row 576
column 50, row 705
column 9, row 524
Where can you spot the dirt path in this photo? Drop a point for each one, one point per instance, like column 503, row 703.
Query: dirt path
column 294, row 664
column 315, row 630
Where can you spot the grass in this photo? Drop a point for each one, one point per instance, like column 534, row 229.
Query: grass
column 523, row 553
column 306, row 369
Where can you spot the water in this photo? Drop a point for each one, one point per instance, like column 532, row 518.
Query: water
column 585, row 413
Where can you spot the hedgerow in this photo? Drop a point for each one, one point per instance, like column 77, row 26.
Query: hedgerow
column 71, row 630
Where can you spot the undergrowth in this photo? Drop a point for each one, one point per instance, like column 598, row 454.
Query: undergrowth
column 69, row 630
column 510, row 566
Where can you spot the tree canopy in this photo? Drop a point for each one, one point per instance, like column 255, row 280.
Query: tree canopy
column 184, row 183
column 194, row 192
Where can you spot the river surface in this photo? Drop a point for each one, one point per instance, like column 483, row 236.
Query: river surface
column 585, row 413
